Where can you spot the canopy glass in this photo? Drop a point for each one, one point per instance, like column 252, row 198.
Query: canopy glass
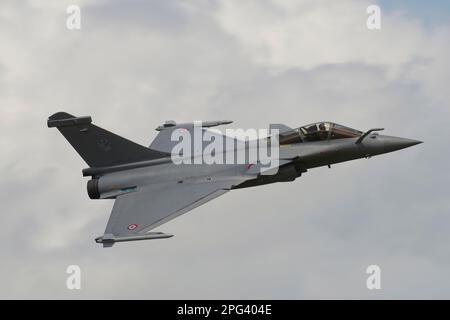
column 317, row 132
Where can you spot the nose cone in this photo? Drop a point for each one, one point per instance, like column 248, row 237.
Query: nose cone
column 396, row 143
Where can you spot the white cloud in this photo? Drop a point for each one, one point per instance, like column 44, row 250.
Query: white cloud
column 134, row 65
column 308, row 34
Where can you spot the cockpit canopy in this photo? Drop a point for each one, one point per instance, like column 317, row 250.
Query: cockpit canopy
column 317, row 132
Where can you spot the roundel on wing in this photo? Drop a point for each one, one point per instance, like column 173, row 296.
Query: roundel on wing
column 132, row 227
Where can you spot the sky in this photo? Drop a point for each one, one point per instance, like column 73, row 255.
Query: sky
column 135, row 64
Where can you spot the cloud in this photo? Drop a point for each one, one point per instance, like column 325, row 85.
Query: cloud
column 134, row 65
column 308, row 34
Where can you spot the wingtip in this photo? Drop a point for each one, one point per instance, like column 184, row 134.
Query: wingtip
column 109, row 239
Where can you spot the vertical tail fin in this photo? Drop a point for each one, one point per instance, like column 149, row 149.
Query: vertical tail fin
column 99, row 147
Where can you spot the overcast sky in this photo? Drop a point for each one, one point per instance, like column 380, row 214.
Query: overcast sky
column 135, row 64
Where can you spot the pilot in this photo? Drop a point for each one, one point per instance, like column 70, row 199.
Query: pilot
column 323, row 134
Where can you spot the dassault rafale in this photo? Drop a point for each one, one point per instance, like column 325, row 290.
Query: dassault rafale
column 151, row 186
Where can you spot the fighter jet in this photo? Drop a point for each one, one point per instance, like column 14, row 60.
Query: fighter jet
column 150, row 188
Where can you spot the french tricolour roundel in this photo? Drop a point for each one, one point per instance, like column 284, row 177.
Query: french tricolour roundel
column 132, row 226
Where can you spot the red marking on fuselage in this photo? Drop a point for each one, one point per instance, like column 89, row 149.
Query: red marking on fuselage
column 132, row 226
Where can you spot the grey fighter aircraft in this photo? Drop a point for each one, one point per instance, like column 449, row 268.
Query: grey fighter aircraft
column 150, row 189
